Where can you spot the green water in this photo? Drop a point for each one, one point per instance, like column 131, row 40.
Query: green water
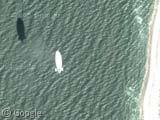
column 103, row 44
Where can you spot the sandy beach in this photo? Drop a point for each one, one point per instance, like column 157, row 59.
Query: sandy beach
column 150, row 103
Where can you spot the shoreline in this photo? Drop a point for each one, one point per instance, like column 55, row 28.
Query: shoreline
column 150, row 95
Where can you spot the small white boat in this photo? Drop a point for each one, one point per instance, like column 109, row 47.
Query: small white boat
column 58, row 61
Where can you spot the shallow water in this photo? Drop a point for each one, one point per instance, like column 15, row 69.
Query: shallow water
column 103, row 44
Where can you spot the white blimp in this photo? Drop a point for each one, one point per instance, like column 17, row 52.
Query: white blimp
column 58, row 61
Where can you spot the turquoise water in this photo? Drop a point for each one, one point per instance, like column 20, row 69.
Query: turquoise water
column 103, row 44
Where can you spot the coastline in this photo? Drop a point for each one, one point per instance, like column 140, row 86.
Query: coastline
column 150, row 94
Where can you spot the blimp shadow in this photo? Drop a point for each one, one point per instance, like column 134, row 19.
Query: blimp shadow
column 20, row 29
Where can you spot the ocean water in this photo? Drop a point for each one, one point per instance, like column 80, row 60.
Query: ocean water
column 103, row 44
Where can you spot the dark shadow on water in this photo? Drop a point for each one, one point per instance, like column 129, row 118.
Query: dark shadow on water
column 20, row 29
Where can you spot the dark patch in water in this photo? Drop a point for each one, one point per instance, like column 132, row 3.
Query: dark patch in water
column 20, row 29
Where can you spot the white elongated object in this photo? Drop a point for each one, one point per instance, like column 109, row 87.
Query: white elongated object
column 58, row 61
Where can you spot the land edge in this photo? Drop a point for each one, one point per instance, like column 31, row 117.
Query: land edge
column 147, row 65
